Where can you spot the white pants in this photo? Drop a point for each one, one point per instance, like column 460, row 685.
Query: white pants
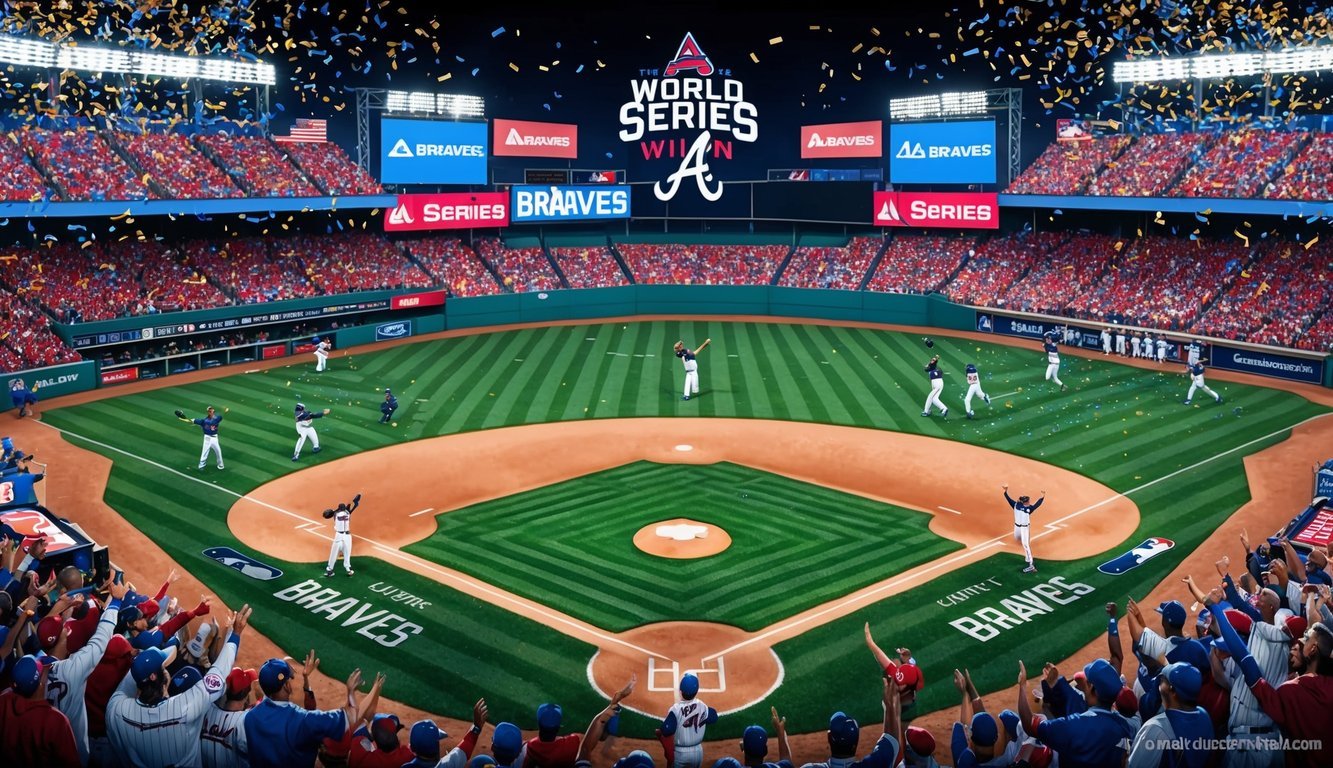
column 1120, row 345
column 1137, row 346
column 305, row 431
column 691, row 381
column 320, row 357
column 1106, row 345
column 341, row 542
column 210, row 444
column 936, row 386
column 1197, row 383
column 1161, row 354
column 1053, row 373
column 688, row 757
column 972, row 391
column 1022, row 535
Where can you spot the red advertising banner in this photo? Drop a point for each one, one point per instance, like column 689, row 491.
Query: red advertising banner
column 843, row 139
column 1319, row 532
column 949, row 210
column 524, row 138
column 414, row 300
column 457, row 210
column 120, row 376
column 1067, row 129
column 32, row 524
column 273, row 351
column 300, row 349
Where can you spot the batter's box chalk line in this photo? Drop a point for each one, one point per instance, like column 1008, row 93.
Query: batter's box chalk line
column 711, row 679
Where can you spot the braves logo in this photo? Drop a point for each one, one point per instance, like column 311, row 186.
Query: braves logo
column 690, row 57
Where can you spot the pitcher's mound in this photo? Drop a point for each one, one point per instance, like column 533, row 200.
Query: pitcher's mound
column 681, row 539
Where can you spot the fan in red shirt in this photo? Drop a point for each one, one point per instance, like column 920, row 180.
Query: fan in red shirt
column 379, row 747
column 904, row 672
column 32, row 732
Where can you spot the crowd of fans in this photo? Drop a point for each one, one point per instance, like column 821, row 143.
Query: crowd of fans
column 329, row 167
column 1273, row 299
column 26, row 339
column 67, row 275
column 171, row 162
column 521, row 270
column 1068, row 271
column 1239, row 164
column 1150, row 165
column 244, row 267
column 256, row 165
column 19, row 180
column 703, row 264
column 453, row 264
column 589, row 267
column 83, row 164
column 1065, row 168
column 920, row 263
column 997, row 264
column 829, row 267
column 1306, row 177
column 357, row 261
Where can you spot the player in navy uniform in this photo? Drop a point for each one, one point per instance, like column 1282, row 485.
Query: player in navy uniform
column 305, row 429
column 209, row 424
column 1196, row 382
column 1052, row 359
column 1023, row 509
column 973, row 390
column 687, row 356
column 936, row 377
column 387, row 407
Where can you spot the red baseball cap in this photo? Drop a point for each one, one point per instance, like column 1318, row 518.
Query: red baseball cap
column 48, row 631
column 920, row 740
column 240, row 680
column 1240, row 620
column 150, row 609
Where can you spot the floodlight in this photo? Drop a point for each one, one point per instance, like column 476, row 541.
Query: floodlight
column 26, row 53
column 1227, row 65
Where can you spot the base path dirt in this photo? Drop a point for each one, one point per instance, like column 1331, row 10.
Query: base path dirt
column 911, row 471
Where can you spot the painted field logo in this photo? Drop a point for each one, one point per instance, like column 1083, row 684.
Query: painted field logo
column 1150, row 548
column 243, row 563
column 686, row 96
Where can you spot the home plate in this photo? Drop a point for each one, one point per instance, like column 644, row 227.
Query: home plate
column 684, row 448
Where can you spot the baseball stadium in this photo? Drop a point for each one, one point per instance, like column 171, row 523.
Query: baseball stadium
column 677, row 387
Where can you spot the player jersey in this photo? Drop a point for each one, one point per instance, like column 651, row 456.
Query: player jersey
column 687, row 720
column 1194, row 350
column 687, row 358
column 1022, row 512
column 934, row 372
column 67, row 679
column 1052, row 352
column 222, row 742
column 209, row 424
column 342, row 520
column 1196, row 369
column 304, row 417
column 973, row 377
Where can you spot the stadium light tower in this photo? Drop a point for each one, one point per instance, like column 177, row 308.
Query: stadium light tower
column 451, row 106
column 971, row 104
column 29, row 52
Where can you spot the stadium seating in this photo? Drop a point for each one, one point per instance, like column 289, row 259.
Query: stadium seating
column 997, row 264
column 703, row 264
column 589, row 267
column 1150, row 165
column 65, row 275
column 26, row 339
column 840, row 269
column 1069, row 270
column 19, row 180
column 1319, row 337
column 1307, row 176
column 174, row 164
column 1273, row 299
column 521, row 269
column 243, row 266
column 357, row 261
column 169, row 284
column 1239, row 164
column 1065, row 168
column 453, row 264
column 256, row 165
column 920, row 263
column 329, row 167
column 83, row 164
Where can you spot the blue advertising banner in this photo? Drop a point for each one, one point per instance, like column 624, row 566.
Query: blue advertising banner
column 1268, row 364
column 960, row 152
column 1323, row 483
column 394, row 330
column 568, row 203
column 432, row 152
column 1035, row 328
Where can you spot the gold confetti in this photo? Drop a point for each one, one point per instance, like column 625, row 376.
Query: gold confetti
column 513, row 66
column 774, row 40
column 754, row 58
column 444, row 77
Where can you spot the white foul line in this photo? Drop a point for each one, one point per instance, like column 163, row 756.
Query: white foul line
column 422, row 512
column 946, row 509
column 415, row 562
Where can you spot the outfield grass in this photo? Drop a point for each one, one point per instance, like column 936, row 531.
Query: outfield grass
column 794, row 545
column 1123, row 426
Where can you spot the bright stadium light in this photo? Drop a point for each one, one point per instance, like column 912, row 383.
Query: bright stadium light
column 162, row 65
column 450, row 104
column 943, row 105
column 970, row 103
column 1210, row 66
column 25, row 52
column 1228, row 65
column 1299, row 60
column 93, row 59
column 462, row 106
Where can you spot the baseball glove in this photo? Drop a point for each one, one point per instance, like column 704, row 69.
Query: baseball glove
column 930, row 343
column 328, row 513
column 180, row 414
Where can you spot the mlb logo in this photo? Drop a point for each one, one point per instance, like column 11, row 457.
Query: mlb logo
column 1150, row 548
column 242, row 563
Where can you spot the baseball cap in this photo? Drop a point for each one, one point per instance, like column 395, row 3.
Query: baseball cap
column 240, row 680
column 480, row 761
column 549, row 716
column 1191, row 652
column 386, row 723
column 1240, row 620
column 48, row 631
column 116, row 648
column 506, row 742
column 198, row 644
column 689, row 685
column 843, row 729
column 384, row 730
column 1184, row 678
column 147, row 664
column 636, row 759
column 151, row 608
column 316, row 339
column 150, row 638
column 920, row 741
column 300, row 406
column 28, row 673
column 1126, row 703
column 1104, row 679
column 425, row 738
column 1009, row 719
column 1204, row 617
column 184, row 679
column 984, row 730
column 273, row 675
column 727, row 762
column 755, row 741
column 1173, row 613
column 1296, row 626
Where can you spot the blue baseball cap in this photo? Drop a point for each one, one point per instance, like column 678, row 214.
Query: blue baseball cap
column 1191, row 652
column 755, row 741
column 549, row 716
column 131, row 614
column 184, row 680
column 425, row 738
column 151, row 638
column 843, row 729
column 984, row 730
column 689, row 685
column 506, row 742
column 316, row 339
column 481, row 761
column 1103, row 678
column 727, row 762
column 1184, row 678
column 636, row 759
column 273, row 675
column 1009, row 719
column 147, row 664
column 28, row 673
column 1173, row 613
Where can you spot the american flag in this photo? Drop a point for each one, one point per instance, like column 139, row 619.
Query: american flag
column 312, row 131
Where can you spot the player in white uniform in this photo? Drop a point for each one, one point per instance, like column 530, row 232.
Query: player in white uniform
column 147, row 727
column 67, row 678
column 687, row 356
column 936, row 377
column 1120, row 341
column 1023, row 524
column 1052, row 359
column 1106, row 341
column 322, row 347
column 1136, row 345
column 973, row 389
column 342, row 534
column 1196, row 382
column 1161, row 347
column 683, row 727
column 304, row 429
column 222, row 742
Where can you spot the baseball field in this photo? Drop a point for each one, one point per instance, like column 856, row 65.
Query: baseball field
column 495, row 546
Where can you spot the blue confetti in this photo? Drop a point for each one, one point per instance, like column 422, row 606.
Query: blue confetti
column 498, row 31
column 972, row 52
column 608, row 157
column 475, row 70
column 579, row 70
column 546, row 107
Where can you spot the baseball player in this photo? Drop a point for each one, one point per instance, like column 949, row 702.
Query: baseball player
column 973, row 388
column 304, row 429
column 149, row 728
column 1106, row 341
column 682, row 731
column 936, row 377
column 209, row 424
column 67, row 677
column 342, row 534
column 222, row 742
column 1022, row 524
column 20, row 396
column 1196, row 382
column 691, row 366
column 322, row 348
column 1136, row 345
column 1161, row 347
column 1194, row 351
column 1052, row 359
column 1120, row 341
column 387, row 407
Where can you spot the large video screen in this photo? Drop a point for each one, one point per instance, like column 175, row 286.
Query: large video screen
column 432, row 152
column 956, row 152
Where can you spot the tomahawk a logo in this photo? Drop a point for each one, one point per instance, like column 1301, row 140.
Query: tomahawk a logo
column 400, row 149
column 400, row 215
column 888, row 215
column 910, row 151
column 689, row 57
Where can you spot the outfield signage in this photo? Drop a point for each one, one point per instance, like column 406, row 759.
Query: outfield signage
column 432, row 152
column 461, row 210
column 418, row 300
column 1036, row 328
column 56, row 380
column 525, row 138
column 949, row 210
column 961, row 152
column 568, row 203
column 121, row 375
column 1268, row 364
column 399, row 329
column 843, row 139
